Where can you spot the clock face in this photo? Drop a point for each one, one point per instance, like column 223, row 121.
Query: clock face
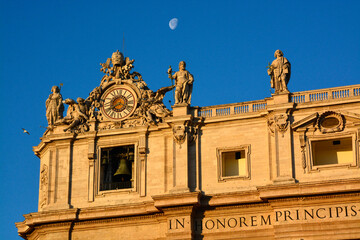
column 118, row 103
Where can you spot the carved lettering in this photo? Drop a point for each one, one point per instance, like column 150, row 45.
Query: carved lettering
column 233, row 224
column 330, row 213
column 338, row 211
column 263, row 222
column 287, row 215
column 297, row 214
column 354, row 213
column 317, row 213
column 307, row 214
column 179, row 223
column 212, row 224
column 242, row 221
column 218, row 222
column 346, row 211
column 253, row 221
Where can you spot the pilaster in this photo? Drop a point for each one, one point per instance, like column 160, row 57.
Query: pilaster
column 179, row 123
column 91, row 157
column 178, row 209
column 142, row 161
column 280, row 144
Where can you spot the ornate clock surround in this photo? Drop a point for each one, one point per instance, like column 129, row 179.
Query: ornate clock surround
column 119, row 102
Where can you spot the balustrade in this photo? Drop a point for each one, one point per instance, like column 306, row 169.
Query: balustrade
column 296, row 97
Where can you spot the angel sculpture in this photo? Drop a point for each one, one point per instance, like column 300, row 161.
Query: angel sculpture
column 157, row 106
column 127, row 67
column 77, row 114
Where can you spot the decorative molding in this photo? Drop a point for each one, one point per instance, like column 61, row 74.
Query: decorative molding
column 177, row 199
column 120, row 219
column 302, row 138
column 330, row 122
column 219, row 153
column 241, row 206
column 278, row 122
column 304, row 121
column 179, row 133
column 316, row 197
column 44, row 182
column 312, row 188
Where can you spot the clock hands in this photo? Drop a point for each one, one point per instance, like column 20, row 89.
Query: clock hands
column 120, row 103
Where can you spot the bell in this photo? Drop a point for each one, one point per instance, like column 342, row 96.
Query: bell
column 104, row 160
column 122, row 170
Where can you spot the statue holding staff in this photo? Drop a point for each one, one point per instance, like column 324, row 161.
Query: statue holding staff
column 183, row 84
column 279, row 72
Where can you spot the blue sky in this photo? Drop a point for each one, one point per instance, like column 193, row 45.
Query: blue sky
column 226, row 45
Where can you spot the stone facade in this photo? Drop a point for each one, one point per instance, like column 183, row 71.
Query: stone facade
column 286, row 167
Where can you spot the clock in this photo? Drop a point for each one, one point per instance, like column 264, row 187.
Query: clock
column 118, row 103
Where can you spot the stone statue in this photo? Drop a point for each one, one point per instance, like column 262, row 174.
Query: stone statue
column 117, row 60
column 77, row 115
column 183, row 83
column 93, row 101
column 119, row 71
column 279, row 72
column 151, row 107
column 157, row 107
column 54, row 106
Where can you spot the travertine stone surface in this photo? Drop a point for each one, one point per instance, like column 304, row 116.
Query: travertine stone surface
column 178, row 189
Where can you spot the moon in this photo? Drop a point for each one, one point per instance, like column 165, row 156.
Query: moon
column 173, row 23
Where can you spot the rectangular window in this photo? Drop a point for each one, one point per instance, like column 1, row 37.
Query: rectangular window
column 116, row 167
column 333, row 151
column 234, row 162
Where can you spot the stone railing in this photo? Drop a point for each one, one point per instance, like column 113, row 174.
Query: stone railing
column 230, row 109
column 326, row 94
column 296, row 97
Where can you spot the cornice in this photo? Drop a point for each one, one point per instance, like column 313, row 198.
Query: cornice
column 119, row 219
column 176, row 199
column 310, row 188
column 51, row 216
column 353, row 196
column 117, row 211
column 41, row 218
column 235, row 209
column 234, row 198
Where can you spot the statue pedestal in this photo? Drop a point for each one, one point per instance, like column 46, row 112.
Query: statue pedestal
column 281, row 98
column 180, row 109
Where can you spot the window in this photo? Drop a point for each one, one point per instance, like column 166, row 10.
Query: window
column 234, row 162
column 116, row 167
column 333, row 151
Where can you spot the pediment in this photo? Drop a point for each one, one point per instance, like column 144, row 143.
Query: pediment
column 328, row 121
column 305, row 122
